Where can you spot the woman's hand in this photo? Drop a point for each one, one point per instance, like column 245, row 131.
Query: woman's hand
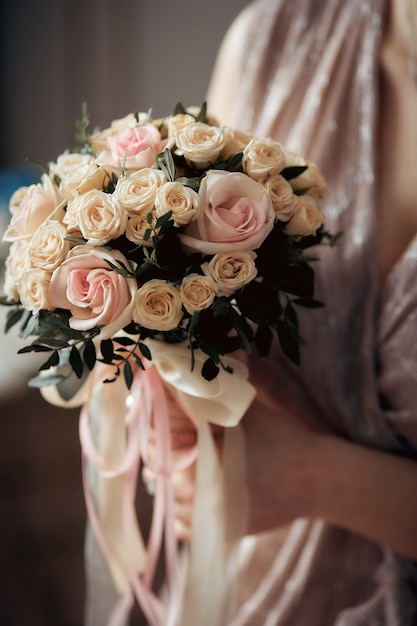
column 183, row 442
column 293, row 469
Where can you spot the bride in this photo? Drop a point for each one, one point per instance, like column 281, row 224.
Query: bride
column 331, row 446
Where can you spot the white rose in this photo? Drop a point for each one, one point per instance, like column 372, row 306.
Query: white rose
column 48, row 247
column 33, row 288
column 78, row 173
column 307, row 218
column 197, row 292
column 98, row 217
column 136, row 192
column 200, row 143
column 282, row 195
column 17, row 263
column 261, row 157
column 157, row 305
column 231, row 270
column 182, row 201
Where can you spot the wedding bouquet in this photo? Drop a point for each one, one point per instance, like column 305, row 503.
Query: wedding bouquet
column 151, row 252
column 175, row 229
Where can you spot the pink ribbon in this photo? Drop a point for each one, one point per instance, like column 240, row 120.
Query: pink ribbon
column 148, row 405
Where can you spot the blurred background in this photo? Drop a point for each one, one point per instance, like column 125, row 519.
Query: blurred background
column 118, row 57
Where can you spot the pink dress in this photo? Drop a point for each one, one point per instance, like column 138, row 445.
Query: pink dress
column 306, row 73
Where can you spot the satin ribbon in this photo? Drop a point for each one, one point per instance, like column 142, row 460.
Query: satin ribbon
column 115, row 457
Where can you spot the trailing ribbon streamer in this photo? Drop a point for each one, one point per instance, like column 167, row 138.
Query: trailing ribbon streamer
column 115, row 456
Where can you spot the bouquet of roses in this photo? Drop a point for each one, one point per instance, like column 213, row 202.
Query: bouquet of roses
column 153, row 251
column 175, row 229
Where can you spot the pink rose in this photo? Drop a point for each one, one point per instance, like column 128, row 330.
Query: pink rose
column 30, row 207
column 133, row 147
column 236, row 213
column 94, row 293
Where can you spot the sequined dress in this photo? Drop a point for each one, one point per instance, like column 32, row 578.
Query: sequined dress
column 306, row 73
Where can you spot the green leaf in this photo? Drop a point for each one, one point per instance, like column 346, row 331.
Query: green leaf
column 144, row 350
column 293, row 171
column 209, row 370
column 107, row 351
column 288, row 342
column 76, row 362
column 202, row 115
column 51, row 362
column 125, row 341
column 193, row 182
column 70, row 333
column 13, row 317
column 89, row 354
column 4, row 301
column 210, row 351
column 138, row 361
column 163, row 219
column 78, row 240
column 263, row 340
column 128, row 374
column 34, row 348
column 235, row 162
column 45, row 381
column 179, row 109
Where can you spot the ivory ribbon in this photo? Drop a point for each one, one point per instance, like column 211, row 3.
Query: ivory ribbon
column 115, row 456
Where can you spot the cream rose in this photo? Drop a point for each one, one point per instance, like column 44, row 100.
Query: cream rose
column 136, row 192
column 282, row 195
column 78, row 173
column 176, row 123
column 132, row 148
column 231, row 270
column 136, row 227
column 157, row 306
column 30, row 207
column 197, row 292
column 311, row 180
column 98, row 217
column 235, row 213
column 235, row 141
column 307, row 218
column 200, row 143
column 182, row 201
column 17, row 263
column 48, row 247
column 33, row 287
column 261, row 157
column 95, row 294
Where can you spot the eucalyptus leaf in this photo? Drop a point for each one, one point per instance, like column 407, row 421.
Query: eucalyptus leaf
column 76, row 362
column 13, row 317
column 293, row 171
column 107, row 351
column 89, row 354
column 34, row 348
column 46, row 380
column 128, row 374
column 145, row 351
column 179, row 109
column 51, row 362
